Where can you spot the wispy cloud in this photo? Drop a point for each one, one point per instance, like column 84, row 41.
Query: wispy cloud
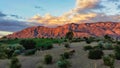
column 16, row 16
column 2, row 14
column 84, row 11
column 40, row 8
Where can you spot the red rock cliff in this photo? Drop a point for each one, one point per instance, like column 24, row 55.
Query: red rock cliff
column 80, row 30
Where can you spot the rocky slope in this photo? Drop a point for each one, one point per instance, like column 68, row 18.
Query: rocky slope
column 80, row 30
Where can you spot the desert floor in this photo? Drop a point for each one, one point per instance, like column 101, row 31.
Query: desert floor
column 78, row 60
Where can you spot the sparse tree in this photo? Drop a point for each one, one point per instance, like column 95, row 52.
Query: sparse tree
column 69, row 35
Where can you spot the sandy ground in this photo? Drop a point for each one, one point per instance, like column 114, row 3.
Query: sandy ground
column 79, row 60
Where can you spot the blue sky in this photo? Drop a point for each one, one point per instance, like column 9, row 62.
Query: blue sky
column 28, row 8
column 16, row 15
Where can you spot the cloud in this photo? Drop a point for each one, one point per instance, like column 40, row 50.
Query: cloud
column 39, row 7
column 49, row 20
column 83, row 4
column 2, row 14
column 78, row 14
column 3, row 33
column 14, row 25
column 8, row 25
column 113, row 0
column 84, row 11
column 118, row 7
column 16, row 16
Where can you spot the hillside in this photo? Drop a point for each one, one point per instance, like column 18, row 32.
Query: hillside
column 80, row 30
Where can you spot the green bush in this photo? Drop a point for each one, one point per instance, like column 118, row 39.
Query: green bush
column 3, row 55
column 63, row 64
column 101, row 44
column 48, row 59
column 88, row 47
column 45, row 45
column 67, row 45
column 28, row 44
column 108, row 38
column 16, row 53
column 19, row 47
column 66, row 55
column 14, row 63
column 39, row 66
column 76, row 39
column 30, row 52
column 108, row 46
column 117, row 52
column 109, row 60
column 118, row 42
column 95, row 54
column 89, row 40
column 9, row 52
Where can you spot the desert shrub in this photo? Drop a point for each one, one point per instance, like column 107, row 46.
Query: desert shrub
column 101, row 44
column 3, row 55
column 14, row 63
column 108, row 46
column 5, row 51
column 39, row 66
column 88, row 47
column 30, row 52
column 67, row 45
column 108, row 38
column 87, row 40
column 48, row 59
column 65, row 40
column 48, row 47
column 95, row 54
column 118, row 42
column 77, row 39
column 64, row 64
column 97, row 47
column 28, row 44
column 16, row 52
column 9, row 52
column 45, row 45
column 109, row 60
column 66, row 55
column 117, row 52
column 19, row 47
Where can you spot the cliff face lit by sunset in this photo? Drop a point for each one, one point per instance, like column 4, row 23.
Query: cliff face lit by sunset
column 79, row 30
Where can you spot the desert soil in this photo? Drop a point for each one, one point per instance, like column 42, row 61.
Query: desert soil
column 78, row 60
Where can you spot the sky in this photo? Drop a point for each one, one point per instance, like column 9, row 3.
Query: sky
column 16, row 15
